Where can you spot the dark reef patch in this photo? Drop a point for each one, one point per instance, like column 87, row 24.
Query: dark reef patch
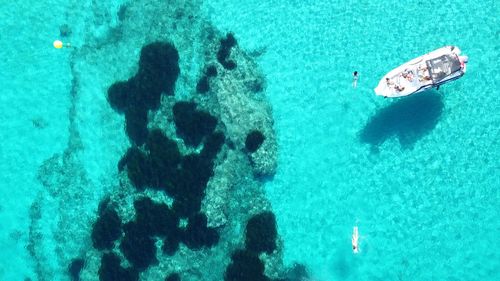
column 254, row 140
column 164, row 158
column 111, row 270
column 203, row 85
column 106, row 229
column 136, row 124
column 408, row 119
column 225, row 50
column 138, row 168
column 192, row 125
column 74, row 269
column 211, row 71
column 184, row 178
column 261, row 233
column 171, row 243
column 158, row 71
column 245, row 266
column 173, row 277
column 213, row 145
column 156, row 219
column 198, row 235
column 191, row 183
column 138, row 247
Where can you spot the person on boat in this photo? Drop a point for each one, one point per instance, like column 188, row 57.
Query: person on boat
column 425, row 78
column 389, row 82
column 354, row 240
column 408, row 75
column 396, row 87
column 355, row 79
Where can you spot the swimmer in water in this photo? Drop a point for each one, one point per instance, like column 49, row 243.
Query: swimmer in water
column 355, row 237
column 355, row 79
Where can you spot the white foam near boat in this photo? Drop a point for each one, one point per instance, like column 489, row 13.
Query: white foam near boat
column 430, row 70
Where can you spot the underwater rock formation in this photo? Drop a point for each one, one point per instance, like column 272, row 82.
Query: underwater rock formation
column 261, row 233
column 185, row 170
column 74, row 269
column 198, row 235
column 106, row 229
column 173, row 277
column 225, row 50
column 157, row 73
column 245, row 266
column 138, row 247
column 192, row 124
column 254, row 140
column 111, row 270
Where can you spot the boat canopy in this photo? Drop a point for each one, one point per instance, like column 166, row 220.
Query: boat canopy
column 442, row 66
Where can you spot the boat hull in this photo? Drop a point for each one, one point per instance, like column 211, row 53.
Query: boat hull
column 423, row 73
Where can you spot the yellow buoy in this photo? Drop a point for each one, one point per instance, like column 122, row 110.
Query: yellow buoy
column 58, row 44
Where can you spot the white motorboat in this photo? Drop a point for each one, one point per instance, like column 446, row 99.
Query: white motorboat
column 420, row 74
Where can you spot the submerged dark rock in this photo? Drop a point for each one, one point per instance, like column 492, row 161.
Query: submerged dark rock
column 138, row 247
column 211, row 71
column 213, row 145
column 158, row 71
column 198, row 235
column 261, row 233
column 75, row 268
column 138, row 168
column 225, row 50
column 254, row 140
column 106, row 229
column 173, row 277
column 111, row 270
column 192, row 125
column 155, row 219
column 203, row 85
column 164, row 157
column 245, row 266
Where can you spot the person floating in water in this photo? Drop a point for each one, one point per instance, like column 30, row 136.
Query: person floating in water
column 355, row 78
column 354, row 240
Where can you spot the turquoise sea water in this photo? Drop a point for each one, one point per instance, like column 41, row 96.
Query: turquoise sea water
column 419, row 175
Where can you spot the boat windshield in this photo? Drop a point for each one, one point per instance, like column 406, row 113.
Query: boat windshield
column 443, row 66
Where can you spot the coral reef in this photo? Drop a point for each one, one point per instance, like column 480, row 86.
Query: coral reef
column 186, row 172
column 243, row 109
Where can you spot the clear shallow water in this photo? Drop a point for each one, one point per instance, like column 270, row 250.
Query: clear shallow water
column 418, row 175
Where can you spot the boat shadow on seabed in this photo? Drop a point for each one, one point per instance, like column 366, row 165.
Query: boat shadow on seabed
column 409, row 119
